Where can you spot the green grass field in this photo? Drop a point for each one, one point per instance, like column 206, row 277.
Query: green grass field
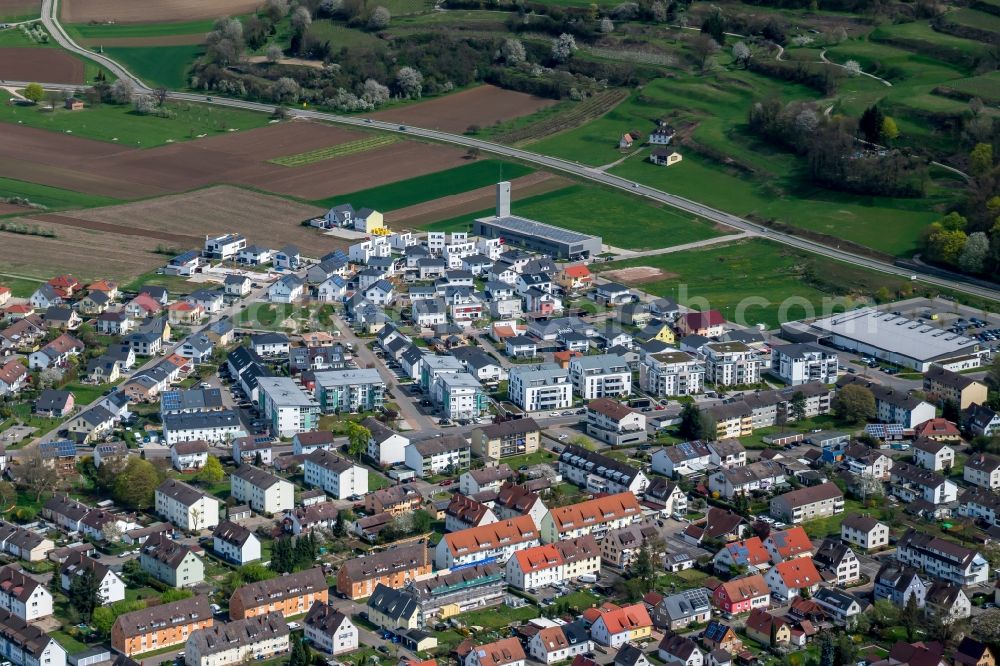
column 974, row 19
column 757, row 281
column 917, row 33
column 158, row 65
column 986, row 87
column 112, row 30
column 621, row 220
column 52, row 197
column 109, row 122
column 19, row 288
column 361, row 145
column 324, row 30
column 435, row 185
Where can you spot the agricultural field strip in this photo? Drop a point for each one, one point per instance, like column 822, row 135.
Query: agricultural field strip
column 330, row 152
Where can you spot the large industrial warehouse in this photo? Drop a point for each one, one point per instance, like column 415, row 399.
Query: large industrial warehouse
column 896, row 339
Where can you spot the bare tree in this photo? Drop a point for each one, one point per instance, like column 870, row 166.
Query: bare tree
column 703, row 48
column 35, row 475
column 160, row 95
column 274, row 53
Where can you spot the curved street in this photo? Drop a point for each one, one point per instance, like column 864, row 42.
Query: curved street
column 50, row 9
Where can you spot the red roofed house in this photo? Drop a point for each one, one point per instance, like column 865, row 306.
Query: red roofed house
column 749, row 554
column 741, row 595
column 65, row 285
column 787, row 579
column 788, row 544
column 20, row 311
column 939, row 430
column 505, row 652
column 106, row 286
column 768, row 629
column 13, row 377
column 4, row 294
column 143, row 306
column 183, row 312
column 575, row 277
column 709, row 324
column 617, row 625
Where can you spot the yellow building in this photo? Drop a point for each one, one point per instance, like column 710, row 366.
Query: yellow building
column 368, row 221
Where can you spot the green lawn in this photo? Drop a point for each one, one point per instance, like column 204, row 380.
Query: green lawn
column 620, row 219
column 158, row 65
column 175, row 284
column 377, row 481
column 757, row 281
column 412, row 191
column 986, row 87
column 325, row 30
column 499, row 616
column 51, row 197
column 539, row 456
column 20, row 288
column 70, row 644
column 84, row 394
column 110, row 122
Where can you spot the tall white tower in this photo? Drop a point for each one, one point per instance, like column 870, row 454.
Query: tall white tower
column 503, row 198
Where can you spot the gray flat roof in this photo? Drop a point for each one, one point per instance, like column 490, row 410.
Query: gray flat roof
column 522, row 225
column 895, row 334
column 285, row 392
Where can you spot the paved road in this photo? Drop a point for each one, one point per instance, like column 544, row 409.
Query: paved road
column 51, row 22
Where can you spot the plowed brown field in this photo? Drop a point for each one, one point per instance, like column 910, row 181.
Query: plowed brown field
column 482, row 105
column 96, row 167
column 34, row 64
column 144, row 11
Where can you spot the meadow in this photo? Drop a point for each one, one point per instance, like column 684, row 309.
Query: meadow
column 620, row 219
column 117, row 30
column 340, row 150
column 457, row 180
column 762, row 276
column 51, row 197
column 110, row 122
column 165, row 66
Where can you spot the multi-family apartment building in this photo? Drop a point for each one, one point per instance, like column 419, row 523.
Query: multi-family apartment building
column 238, row 642
column 600, row 376
column 289, row 595
column 911, row 483
column 394, row 567
column 459, row 395
column 613, row 423
column 620, row 547
column 215, row 426
column 802, row 363
column 808, row 503
column 941, row 384
column 330, row 630
column 598, row 473
column 864, row 532
column 386, row 446
column 235, row 543
column 110, row 586
column 671, row 373
column 731, row 364
column 595, row 516
column 554, row 563
column 983, row 470
column 485, row 544
column 335, row 475
column 893, row 405
column 25, row 644
column 542, row 387
column 23, row 596
column 286, row 407
column 437, row 454
column 160, row 626
column 265, row 492
column 171, row 562
column 186, row 507
column 349, row 390
column 515, row 437
column 942, row 559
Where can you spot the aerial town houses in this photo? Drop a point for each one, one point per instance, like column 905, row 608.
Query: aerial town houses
column 540, row 497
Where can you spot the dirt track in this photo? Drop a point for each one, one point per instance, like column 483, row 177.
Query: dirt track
column 482, row 105
column 146, row 11
column 97, row 167
column 35, row 64
column 472, row 201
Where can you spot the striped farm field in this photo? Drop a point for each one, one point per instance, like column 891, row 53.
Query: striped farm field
column 330, row 152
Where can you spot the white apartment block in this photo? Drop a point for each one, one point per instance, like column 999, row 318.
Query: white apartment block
column 731, row 364
column 803, row 363
column 942, row 559
column 671, row 373
column 542, row 387
column 286, row 407
column 983, row 470
column 600, row 376
column 238, row 642
column 265, row 492
column 335, row 475
column 376, row 246
column 23, row 596
column 186, row 507
column 459, row 395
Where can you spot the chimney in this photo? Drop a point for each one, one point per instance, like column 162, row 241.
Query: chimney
column 503, row 198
